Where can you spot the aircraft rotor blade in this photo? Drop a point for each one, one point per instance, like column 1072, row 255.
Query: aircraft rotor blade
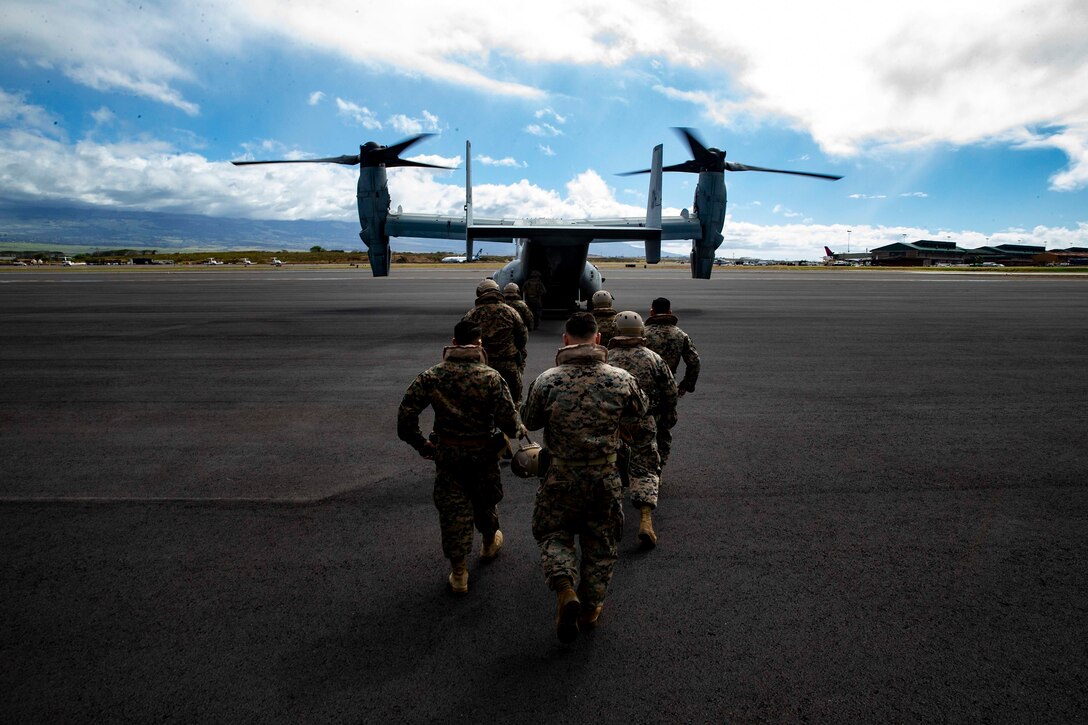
column 346, row 160
column 733, row 166
column 690, row 167
column 397, row 148
column 406, row 162
column 698, row 149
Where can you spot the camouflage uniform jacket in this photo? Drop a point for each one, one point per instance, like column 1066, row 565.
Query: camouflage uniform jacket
column 534, row 289
column 652, row 373
column 606, row 323
column 672, row 343
column 469, row 399
column 504, row 332
column 523, row 309
column 585, row 405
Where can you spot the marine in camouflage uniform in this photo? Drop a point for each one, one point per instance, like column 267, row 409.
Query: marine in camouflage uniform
column 535, row 291
column 664, row 337
column 606, row 316
column 512, row 294
column 470, row 400
column 505, row 335
column 585, row 407
column 628, row 351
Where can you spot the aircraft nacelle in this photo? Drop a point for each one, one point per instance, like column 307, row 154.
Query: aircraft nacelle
column 710, row 203
column 373, row 199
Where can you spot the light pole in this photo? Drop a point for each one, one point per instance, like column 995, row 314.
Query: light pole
column 848, row 241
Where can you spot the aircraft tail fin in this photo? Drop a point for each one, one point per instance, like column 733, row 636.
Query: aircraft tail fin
column 653, row 207
column 468, row 199
column 828, row 252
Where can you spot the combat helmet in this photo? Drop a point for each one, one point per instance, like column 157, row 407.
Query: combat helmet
column 629, row 323
column 526, row 460
column 602, row 299
column 486, row 286
column 511, row 288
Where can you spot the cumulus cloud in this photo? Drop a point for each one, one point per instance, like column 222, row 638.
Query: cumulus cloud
column 103, row 116
column 550, row 113
column 106, row 46
column 316, row 97
column 15, row 111
column 151, row 175
column 545, row 130
column 1073, row 141
column 508, row 161
column 856, row 76
column 546, row 149
column 360, row 115
column 408, row 125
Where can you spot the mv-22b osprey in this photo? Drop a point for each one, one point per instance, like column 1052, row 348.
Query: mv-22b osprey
column 558, row 249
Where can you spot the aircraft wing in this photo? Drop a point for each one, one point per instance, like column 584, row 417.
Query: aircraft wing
column 673, row 227
column 438, row 226
column 586, row 230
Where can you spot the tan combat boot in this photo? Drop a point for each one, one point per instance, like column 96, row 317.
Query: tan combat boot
column 490, row 551
column 588, row 618
column 567, row 610
column 458, row 579
column 647, row 539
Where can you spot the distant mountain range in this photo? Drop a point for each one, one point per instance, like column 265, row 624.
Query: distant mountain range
column 72, row 229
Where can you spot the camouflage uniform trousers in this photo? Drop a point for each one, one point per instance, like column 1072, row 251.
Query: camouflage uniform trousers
column 536, row 306
column 586, row 502
column 643, row 474
column 510, row 371
column 664, row 442
column 467, row 491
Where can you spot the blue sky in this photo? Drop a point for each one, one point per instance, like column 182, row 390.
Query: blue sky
column 966, row 121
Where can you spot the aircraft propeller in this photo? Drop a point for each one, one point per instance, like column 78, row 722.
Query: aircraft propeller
column 712, row 159
column 370, row 154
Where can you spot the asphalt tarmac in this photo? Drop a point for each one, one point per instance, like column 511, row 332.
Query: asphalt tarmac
column 876, row 509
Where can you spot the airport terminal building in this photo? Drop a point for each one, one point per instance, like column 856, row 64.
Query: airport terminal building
column 930, row 252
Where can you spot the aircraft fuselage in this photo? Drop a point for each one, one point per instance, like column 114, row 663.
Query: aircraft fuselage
column 563, row 267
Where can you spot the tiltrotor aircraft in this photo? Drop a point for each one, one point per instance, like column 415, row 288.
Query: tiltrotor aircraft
column 558, row 249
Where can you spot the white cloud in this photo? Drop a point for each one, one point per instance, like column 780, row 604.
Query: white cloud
column 545, row 130
column 788, row 213
column 1074, row 142
column 550, row 113
column 410, row 126
column 908, row 75
column 857, row 76
column 151, row 175
column 546, row 149
column 508, row 161
column 915, row 194
column 16, row 112
column 103, row 116
column 108, row 46
column 360, row 115
column 316, row 97
column 870, row 196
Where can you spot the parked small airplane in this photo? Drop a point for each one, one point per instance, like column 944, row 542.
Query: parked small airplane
column 276, row 262
column 69, row 263
column 461, row 259
column 212, row 261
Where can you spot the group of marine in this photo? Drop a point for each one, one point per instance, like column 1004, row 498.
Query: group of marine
column 606, row 408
